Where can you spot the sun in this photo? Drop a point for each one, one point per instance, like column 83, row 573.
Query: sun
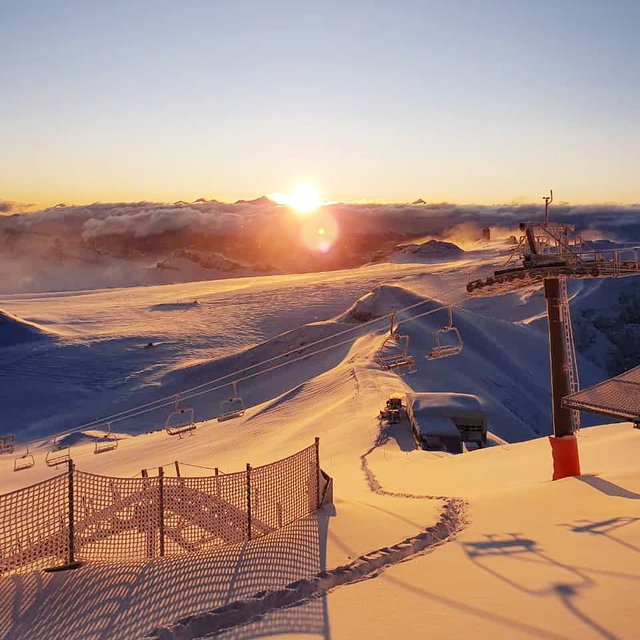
column 304, row 198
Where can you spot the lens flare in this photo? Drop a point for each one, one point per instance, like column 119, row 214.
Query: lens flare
column 319, row 231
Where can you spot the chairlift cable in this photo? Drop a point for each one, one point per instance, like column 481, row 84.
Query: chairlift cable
column 300, row 357
column 169, row 400
column 202, row 388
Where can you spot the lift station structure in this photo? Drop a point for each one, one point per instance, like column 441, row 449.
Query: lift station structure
column 547, row 254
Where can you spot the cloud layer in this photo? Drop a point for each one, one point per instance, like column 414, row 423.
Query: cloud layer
column 439, row 219
column 42, row 250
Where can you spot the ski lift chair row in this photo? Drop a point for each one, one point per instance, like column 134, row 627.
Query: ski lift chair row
column 57, row 455
column 25, row 461
column 232, row 407
column 446, row 349
column 180, row 420
column 108, row 442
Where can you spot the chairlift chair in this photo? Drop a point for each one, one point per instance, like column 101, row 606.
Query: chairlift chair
column 393, row 353
column 232, row 407
column 451, row 346
column 108, row 442
column 391, row 360
column 180, row 420
column 57, row 455
column 25, row 461
column 7, row 443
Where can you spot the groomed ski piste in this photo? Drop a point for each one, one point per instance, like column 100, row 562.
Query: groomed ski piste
column 481, row 544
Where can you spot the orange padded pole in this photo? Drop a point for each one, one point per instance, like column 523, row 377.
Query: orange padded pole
column 566, row 461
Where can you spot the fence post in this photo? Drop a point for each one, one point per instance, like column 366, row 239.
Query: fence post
column 248, row 501
column 71, row 559
column 177, row 469
column 161, row 507
column 318, row 472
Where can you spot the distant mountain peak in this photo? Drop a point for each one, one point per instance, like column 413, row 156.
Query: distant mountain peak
column 258, row 201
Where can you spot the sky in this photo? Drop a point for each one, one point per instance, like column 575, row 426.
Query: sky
column 459, row 101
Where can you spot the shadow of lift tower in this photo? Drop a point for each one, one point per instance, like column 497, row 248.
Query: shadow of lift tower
column 546, row 253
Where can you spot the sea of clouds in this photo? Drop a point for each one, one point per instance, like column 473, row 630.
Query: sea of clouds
column 40, row 250
column 147, row 218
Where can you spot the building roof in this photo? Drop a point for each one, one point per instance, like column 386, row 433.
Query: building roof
column 618, row 397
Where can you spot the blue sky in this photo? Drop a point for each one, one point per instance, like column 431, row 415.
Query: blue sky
column 462, row 101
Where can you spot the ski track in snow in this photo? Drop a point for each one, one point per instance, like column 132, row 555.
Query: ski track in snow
column 452, row 520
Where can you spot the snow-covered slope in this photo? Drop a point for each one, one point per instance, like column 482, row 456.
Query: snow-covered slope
column 16, row 331
column 512, row 554
column 103, row 365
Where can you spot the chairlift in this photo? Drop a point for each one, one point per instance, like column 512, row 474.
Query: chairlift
column 448, row 341
column 25, row 461
column 57, row 455
column 393, row 353
column 180, row 420
column 108, row 442
column 232, row 407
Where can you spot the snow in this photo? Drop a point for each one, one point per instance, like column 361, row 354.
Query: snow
column 15, row 330
column 383, row 300
column 481, row 544
column 431, row 250
column 438, row 425
column 463, row 405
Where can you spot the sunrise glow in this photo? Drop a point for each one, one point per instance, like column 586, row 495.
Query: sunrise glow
column 302, row 199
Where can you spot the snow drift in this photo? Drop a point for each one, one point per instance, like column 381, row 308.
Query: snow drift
column 15, row 330
column 384, row 300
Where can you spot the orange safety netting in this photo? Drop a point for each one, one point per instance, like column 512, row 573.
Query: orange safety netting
column 117, row 519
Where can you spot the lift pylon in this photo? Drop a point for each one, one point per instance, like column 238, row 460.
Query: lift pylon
column 548, row 256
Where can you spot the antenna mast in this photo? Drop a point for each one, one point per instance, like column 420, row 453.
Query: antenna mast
column 547, row 201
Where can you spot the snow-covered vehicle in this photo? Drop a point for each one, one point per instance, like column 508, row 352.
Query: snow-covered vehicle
column 444, row 421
